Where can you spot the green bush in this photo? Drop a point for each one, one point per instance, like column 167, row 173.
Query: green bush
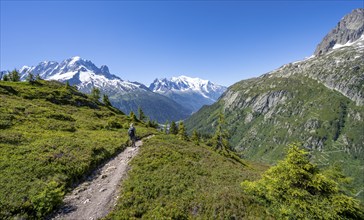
column 61, row 117
column 297, row 189
column 113, row 123
column 48, row 199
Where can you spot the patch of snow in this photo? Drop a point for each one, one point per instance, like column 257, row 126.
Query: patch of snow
column 349, row 43
column 63, row 76
column 74, row 60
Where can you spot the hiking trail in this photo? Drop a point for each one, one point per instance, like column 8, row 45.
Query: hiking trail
column 96, row 197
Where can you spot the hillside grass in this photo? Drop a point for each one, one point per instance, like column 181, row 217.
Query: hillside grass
column 51, row 137
column 324, row 121
column 174, row 179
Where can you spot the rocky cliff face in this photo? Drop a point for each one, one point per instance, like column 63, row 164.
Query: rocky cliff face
column 349, row 29
column 341, row 69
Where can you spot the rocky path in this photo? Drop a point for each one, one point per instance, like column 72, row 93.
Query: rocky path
column 95, row 198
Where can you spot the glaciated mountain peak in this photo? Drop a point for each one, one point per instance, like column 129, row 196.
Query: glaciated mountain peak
column 83, row 73
column 190, row 92
column 183, row 83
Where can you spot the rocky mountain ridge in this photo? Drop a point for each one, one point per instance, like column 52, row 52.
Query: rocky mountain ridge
column 349, row 29
column 340, row 69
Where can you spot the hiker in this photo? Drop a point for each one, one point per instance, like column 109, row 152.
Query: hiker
column 131, row 133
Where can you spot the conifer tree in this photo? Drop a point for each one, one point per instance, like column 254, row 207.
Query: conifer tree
column 195, row 138
column 141, row 114
column 30, row 78
column 105, row 100
column 166, row 127
column 95, row 93
column 67, row 85
column 149, row 123
column 173, row 129
column 38, row 78
column 6, row 77
column 220, row 138
column 182, row 135
column 297, row 189
column 133, row 116
column 14, row 76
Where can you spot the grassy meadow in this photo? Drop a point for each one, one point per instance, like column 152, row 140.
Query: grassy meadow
column 51, row 137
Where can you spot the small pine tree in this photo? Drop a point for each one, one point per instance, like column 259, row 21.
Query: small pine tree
column 297, row 189
column 149, row 123
column 133, row 116
column 38, row 78
column 173, row 129
column 220, row 138
column 195, row 138
column 141, row 114
column 6, row 77
column 166, row 127
column 182, row 135
column 68, row 85
column 14, row 76
column 105, row 100
column 95, row 93
column 30, row 78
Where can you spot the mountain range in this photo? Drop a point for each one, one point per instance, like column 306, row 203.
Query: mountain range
column 163, row 100
column 191, row 93
column 318, row 102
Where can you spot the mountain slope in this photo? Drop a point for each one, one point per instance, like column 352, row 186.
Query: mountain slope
column 191, row 93
column 174, row 179
column 51, row 136
column 125, row 95
column 317, row 102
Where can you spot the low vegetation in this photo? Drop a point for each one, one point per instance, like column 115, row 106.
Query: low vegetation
column 297, row 189
column 176, row 179
column 300, row 110
column 51, row 137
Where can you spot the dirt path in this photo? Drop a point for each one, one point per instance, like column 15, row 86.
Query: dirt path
column 95, row 198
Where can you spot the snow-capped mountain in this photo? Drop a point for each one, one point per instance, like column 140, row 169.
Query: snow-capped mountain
column 192, row 93
column 125, row 95
column 82, row 73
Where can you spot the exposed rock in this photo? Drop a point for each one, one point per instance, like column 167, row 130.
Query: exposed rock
column 349, row 29
column 269, row 100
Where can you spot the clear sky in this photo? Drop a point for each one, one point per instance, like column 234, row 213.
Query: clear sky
column 223, row 41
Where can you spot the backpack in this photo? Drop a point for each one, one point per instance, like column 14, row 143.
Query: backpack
column 131, row 132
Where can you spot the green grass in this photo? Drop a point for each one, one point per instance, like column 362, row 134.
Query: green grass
column 174, row 179
column 50, row 138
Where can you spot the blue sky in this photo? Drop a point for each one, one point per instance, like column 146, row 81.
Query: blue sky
column 223, row 41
